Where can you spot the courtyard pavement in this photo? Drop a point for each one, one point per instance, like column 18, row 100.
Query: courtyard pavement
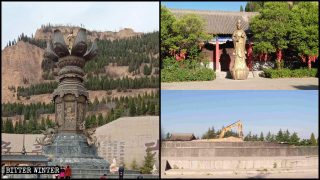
column 301, row 175
column 248, row 84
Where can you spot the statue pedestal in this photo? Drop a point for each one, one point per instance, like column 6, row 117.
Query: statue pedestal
column 240, row 74
column 72, row 149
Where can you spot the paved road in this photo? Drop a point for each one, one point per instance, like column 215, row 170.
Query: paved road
column 252, row 176
column 249, row 84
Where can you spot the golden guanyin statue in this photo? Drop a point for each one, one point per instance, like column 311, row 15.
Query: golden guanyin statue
column 239, row 70
column 70, row 39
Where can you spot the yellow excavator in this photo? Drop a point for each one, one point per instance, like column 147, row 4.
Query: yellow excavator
column 237, row 124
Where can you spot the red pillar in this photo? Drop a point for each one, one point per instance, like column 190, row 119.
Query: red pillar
column 217, row 55
column 249, row 53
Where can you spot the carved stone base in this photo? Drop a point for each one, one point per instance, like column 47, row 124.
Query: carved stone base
column 240, row 74
column 72, row 149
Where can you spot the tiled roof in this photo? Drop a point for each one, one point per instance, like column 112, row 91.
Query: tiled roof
column 220, row 22
column 182, row 137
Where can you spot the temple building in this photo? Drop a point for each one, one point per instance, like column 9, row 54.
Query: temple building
column 221, row 25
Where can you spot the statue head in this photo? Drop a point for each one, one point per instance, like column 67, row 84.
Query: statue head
column 239, row 24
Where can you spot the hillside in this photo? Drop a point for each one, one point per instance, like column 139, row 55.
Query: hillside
column 21, row 66
column 46, row 31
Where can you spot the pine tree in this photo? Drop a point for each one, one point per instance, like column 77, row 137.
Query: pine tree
column 168, row 135
column 148, row 163
column 268, row 137
column 241, row 8
column 8, row 126
column 294, row 139
column 261, row 138
column 132, row 110
column 279, row 136
column 134, row 165
column 313, row 140
column 2, row 125
column 100, row 120
column 286, row 136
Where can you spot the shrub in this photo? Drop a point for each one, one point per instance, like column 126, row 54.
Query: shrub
column 286, row 73
column 185, row 74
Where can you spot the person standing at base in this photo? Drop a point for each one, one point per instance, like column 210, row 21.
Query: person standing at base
column 104, row 176
column 121, row 171
column 140, row 175
column 62, row 173
column 68, row 172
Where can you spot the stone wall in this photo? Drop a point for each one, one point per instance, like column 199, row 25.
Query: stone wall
column 233, row 149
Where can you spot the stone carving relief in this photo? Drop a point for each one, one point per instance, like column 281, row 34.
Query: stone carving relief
column 48, row 137
column 59, row 113
column 152, row 147
column 80, row 119
column 70, row 115
column 5, row 146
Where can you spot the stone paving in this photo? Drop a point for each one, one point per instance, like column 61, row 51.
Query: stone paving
column 249, row 84
column 313, row 174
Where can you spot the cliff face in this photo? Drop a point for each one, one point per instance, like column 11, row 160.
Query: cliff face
column 45, row 33
column 21, row 66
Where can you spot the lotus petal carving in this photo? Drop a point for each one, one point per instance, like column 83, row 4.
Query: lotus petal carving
column 49, row 53
column 80, row 45
column 92, row 52
column 59, row 46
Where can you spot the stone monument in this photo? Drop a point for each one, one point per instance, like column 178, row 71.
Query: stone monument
column 239, row 70
column 70, row 143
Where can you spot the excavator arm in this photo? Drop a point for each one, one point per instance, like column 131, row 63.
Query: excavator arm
column 237, row 124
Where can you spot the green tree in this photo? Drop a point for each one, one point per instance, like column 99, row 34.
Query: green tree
column 168, row 135
column 279, row 137
column 148, row 163
column 254, row 6
column 2, row 125
column 248, row 137
column 286, row 136
column 241, row 8
column 166, row 21
column 181, row 34
column 268, row 137
column 261, row 138
column 304, row 36
column 313, row 140
column 271, row 29
column 100, row 120
column 294, row 139
column 8, row 126
column 132, row 110
column 134, row 165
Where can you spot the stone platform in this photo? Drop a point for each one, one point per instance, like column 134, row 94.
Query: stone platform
column 72, row 149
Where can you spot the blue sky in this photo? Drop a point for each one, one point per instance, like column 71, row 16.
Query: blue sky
column 26, row 17
column 222, row 6
column 196, row 111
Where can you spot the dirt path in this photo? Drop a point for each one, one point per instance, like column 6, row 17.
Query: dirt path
column 249, row 84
